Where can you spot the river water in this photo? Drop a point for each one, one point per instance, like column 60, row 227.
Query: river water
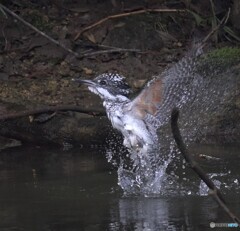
column 48, row 189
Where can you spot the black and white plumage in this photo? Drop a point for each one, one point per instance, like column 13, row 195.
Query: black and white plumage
column 114, row 91
column 138, row 119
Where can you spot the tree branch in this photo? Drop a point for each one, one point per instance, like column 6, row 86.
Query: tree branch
column 76, row 54
column 125, row 15
column 37, row 30
column 217, row 27
column 214, row 191
column 79, row 109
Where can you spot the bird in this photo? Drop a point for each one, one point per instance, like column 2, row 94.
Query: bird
column 139, row 118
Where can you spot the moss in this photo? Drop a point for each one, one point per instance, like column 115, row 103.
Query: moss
column 219, row 60
column 225, row 54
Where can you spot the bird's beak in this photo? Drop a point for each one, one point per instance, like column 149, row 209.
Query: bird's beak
column 85, row 81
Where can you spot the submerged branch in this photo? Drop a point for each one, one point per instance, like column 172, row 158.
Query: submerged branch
column 94, row 112
column 214, row 191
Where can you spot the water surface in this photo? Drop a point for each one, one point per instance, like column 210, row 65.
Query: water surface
column 55, row 190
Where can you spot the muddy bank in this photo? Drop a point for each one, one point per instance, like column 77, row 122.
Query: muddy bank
column 213, row 117
column 64, row 129
column 35, row 73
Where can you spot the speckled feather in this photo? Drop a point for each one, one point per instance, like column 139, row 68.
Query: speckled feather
column 139, row 119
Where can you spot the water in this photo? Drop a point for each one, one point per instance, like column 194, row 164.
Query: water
column 54, row 190
column 93, row 189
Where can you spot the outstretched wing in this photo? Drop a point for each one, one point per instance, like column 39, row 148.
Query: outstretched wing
column 149, row 99
column 172, row 88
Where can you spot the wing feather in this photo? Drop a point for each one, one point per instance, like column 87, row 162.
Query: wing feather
column 147, row 102
column 172, row 88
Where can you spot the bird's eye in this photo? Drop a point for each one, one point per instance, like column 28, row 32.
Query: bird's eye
column 103, row 82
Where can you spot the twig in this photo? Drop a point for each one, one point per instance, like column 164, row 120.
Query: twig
column 6, row 46
column 216, row 28
column 214, row 191
column 116, row 50
column 76, row 54
column 124, row 15
column 38, row 31
column 3, row 12
column 101, row 46
column 92, row 111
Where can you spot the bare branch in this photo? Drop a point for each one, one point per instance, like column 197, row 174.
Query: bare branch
column 92, row 111
column 116, row 50
column 76, row 54
column 214, row 191
column 37, row 30
column 125, row 15
column 217, row 27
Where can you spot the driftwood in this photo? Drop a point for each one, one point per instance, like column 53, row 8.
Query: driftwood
column 214, row 191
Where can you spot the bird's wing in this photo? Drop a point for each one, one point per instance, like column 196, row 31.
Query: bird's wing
column 148, row 100
column 172, row 88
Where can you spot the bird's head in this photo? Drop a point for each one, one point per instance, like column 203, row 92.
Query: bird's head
column 108, row 86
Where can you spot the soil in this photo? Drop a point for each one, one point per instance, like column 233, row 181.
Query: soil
column 34, row 72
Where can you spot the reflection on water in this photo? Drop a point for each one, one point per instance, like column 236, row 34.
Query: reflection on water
column 77, row 190
column 163, row 213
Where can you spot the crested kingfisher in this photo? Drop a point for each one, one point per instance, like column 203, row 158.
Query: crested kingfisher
column 139, row 118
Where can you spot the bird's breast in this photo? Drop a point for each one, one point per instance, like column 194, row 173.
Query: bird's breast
column 115, row 115
column 133, row 128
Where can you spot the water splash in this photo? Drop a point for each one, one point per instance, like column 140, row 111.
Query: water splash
column 204, row 106
column 141, row 174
